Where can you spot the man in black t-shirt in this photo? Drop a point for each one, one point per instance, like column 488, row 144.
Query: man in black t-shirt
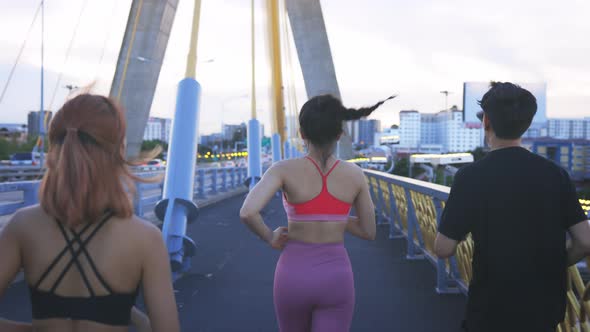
column 518, row 207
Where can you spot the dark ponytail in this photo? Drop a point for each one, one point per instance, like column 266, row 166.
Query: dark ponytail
column 349, row 114
column 321, row 119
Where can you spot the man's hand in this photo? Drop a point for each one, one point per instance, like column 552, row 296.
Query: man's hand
column 444, row 247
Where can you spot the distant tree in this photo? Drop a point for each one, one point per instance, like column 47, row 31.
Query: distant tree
column 6, row 149
column 394, row 126
column 11, row 146
column 402, row 167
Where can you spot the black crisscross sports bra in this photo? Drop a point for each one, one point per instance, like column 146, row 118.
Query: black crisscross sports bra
column 111, row 309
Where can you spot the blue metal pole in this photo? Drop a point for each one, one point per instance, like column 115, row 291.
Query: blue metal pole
column 287, row 149
column 177, row 208
column 254, row 153
column 294, row 152
column 276, row 148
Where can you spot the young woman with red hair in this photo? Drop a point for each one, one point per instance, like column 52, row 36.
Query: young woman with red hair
column 83, row 252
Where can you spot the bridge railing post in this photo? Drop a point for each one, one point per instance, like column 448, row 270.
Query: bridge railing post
column 374, row 197
column 30, row 193
column 382, row 207
column 395, row 231
column 201, row 193
column 224, row 172
column 414, row 251
column 137, row 200
column 243, row 174
column 233, row 177
column 214, row 181
column 443, row 281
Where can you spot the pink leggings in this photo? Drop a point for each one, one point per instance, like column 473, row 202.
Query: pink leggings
column 314, row 288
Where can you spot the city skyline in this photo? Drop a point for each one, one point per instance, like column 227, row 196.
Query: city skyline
column 417, row 64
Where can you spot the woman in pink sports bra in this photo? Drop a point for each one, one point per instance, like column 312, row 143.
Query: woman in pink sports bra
column 313, row 284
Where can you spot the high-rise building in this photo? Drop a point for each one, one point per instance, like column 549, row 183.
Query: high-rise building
column 211, row 140
column 158, row 129
column 571, row 154
column 33, row 122
column 569, row 128
column 444, row 131
column 366, row 131
column 229, row 131
column 535, row 131
column 410, row 129
column 459, row 136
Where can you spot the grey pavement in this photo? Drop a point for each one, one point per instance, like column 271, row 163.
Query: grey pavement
column 230, row 285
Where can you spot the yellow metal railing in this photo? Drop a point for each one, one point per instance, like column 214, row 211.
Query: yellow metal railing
column 388, row 189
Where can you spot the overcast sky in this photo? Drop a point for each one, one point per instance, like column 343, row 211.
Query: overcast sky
column 413, row 48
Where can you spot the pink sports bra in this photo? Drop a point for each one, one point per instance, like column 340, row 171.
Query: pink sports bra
column 323, row 207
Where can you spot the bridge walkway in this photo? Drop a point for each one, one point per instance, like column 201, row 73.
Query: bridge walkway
column 230, row 286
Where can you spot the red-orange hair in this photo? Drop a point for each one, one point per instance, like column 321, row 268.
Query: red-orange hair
column 87, row 173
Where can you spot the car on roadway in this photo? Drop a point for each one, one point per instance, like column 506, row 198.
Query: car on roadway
column 25, row 159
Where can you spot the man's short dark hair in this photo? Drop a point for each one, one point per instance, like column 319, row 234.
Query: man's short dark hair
column 510, row 109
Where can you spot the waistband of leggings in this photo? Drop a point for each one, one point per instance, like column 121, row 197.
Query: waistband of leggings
column 313, row 244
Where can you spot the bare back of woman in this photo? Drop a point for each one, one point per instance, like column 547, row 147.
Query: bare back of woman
column 85, row 256
column 122, row 256
column 303, row 182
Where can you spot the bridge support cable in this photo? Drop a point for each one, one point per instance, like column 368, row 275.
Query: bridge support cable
column 254, row 127
column 177, row 208
column 104, row 43
column 292, row 109
column 67, row 57
column 278, row 103
column 20, row 52
column 42, row 115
